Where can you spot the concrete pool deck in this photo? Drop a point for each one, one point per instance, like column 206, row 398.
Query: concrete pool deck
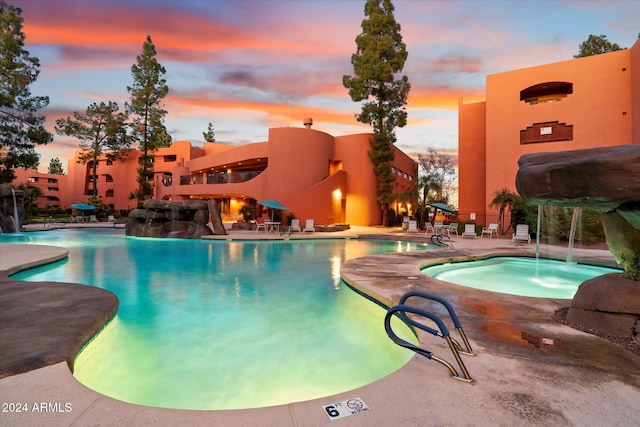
column 577, row 379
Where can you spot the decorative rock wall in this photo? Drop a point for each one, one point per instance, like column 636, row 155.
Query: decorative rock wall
column 185, row 219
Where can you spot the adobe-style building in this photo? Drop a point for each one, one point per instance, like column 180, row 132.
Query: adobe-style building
column 53, row 187
column 315, row 175
column 580, row 103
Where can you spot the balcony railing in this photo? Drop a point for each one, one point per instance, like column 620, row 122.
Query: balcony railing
column 216, row 178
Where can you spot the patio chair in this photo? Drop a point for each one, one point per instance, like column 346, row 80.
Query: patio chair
column 260, row 224
column 295, row 225
column 93, row 218
column 412, row 227
column 469, row 231
column 309, row 226
column 428, row 228
column 522, row 234
column 111, row 218
column 492, row 229
column 453, row 228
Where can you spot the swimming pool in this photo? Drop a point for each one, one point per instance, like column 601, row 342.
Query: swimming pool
column 533, row 277
column 206, row 324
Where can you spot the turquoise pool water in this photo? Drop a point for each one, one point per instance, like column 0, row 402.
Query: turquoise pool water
column 208, row 324
column 542, row 278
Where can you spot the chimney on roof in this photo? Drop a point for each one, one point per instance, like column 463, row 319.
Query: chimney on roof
column 307, row 122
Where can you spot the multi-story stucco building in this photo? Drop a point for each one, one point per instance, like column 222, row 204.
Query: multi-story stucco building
column 580, row 103
column 315, row 175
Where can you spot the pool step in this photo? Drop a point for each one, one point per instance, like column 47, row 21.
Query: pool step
column 402, row 310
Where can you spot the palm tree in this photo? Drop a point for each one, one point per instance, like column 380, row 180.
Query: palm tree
column 503, row 199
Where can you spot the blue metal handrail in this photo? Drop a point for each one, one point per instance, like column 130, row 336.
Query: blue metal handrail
column 456, row 322
column 401, row 312
column 438, row 240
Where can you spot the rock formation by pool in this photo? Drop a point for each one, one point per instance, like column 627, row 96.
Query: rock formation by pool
column 605, row 179
column 12, row 211
column 185, row 219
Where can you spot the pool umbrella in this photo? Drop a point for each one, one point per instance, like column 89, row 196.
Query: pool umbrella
column 443, row 207
column 272, row 204
column 83, row 207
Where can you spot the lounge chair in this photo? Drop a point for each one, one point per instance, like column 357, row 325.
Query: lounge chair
column 309, row 226
column 111, row 218
column 412, row 227
column 93, row 218
column 469, row 231
column 490, row 230
column 453, row 228
column 522, row 234
column 295, row 225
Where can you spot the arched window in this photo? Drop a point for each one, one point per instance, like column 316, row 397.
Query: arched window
column 546, row 92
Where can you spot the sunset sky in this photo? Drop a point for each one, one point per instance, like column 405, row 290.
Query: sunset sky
column 249, row 65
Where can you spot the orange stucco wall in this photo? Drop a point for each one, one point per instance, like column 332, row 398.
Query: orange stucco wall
column 600, row 109
column 471, row 160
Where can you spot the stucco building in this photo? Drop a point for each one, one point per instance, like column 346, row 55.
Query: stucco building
column 580, row 103
column 315, row 175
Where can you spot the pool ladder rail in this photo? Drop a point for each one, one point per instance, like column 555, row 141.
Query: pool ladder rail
column 402, row 310
column 443, row 241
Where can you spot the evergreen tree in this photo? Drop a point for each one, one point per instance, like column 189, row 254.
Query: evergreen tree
column 596, row 45
column 379, row 57
column 208, row 135
column 148, row 90
column 55, row 167
column 101, row 130
column 21, row 129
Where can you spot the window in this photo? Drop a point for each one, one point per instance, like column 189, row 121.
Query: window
column 546, row 132
column 109, row 162
column 169, row 158
column 546, row 92
column 108, row 178
column 52, row 180
column 109, row 193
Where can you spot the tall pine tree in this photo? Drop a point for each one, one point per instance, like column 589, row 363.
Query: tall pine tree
column 101, row 130
column 148, row 90
column 380, row 56
column 21, row 129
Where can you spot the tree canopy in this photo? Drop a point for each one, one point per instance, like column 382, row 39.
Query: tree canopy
column 101, row 130
column 21, row 129
column 380, row 56
column 55, row 167
column 148, row 130
column 596, row 45
column 209, row 136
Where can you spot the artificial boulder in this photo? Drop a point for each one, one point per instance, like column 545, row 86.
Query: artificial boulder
column 605, row 179
column 185, row 219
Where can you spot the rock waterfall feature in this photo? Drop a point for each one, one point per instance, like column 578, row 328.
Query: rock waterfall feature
column 186, row 219
column 606, row 179
column 12, row 211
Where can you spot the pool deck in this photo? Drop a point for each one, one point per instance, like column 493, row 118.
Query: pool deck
column 528, row 371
